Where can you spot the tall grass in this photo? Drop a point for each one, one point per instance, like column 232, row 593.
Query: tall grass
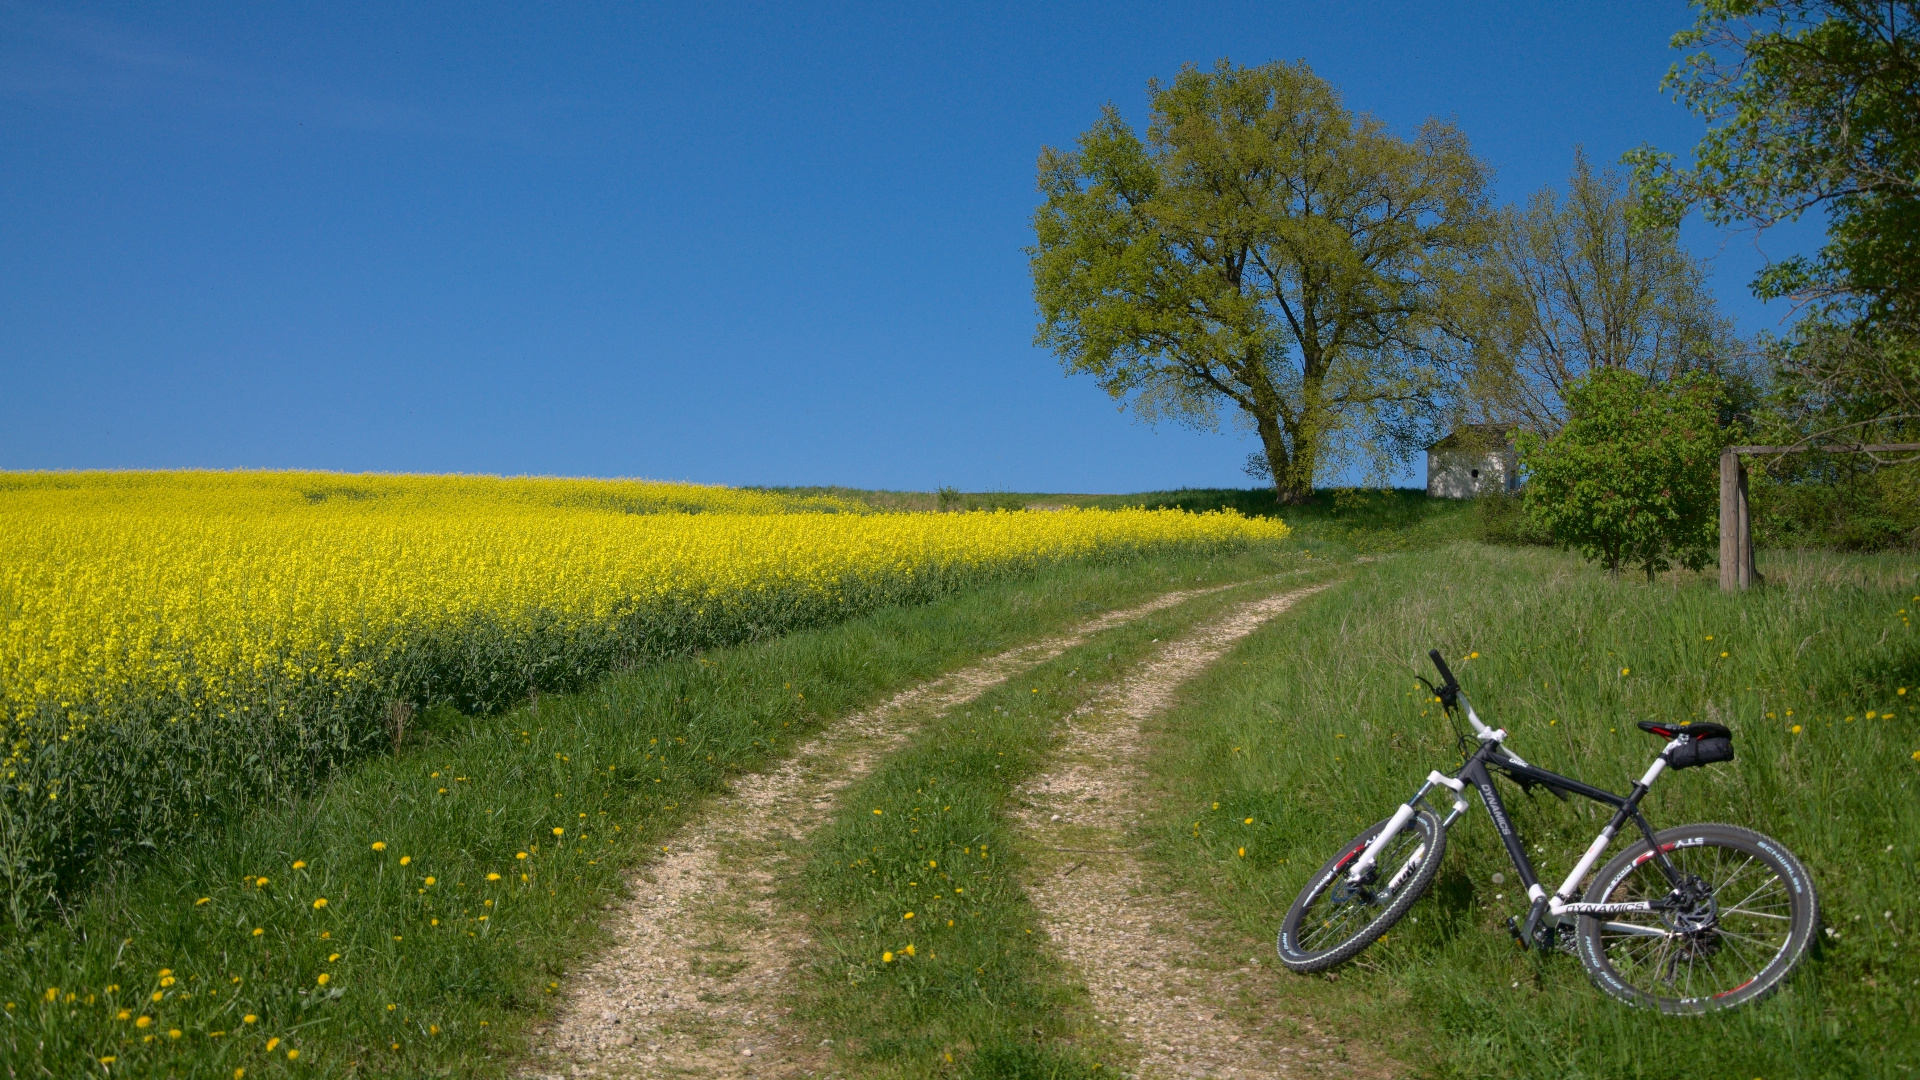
column 1317, row 727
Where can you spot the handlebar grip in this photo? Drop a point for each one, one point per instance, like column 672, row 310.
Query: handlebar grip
column 1446, row 674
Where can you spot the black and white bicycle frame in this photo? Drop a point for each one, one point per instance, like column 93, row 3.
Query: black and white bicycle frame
column 1553, row 911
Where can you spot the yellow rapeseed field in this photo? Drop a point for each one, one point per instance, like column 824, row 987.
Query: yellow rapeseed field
column 171, row 640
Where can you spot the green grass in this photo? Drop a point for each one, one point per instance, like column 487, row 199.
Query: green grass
column 978, row 995
column 1315, row 728
column 616, row 768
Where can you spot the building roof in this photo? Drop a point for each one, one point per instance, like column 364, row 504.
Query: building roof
column 1477, row 437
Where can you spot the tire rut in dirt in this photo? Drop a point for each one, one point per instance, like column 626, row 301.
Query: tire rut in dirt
column 703, row 954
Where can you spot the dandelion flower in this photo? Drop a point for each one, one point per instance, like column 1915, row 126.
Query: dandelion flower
column 908, row 950
column 300, row 864
column 429, row 881
column 1625, row 671
column 1723, row 656
column 520, row 855
column 157, row 995
column 1246, row 821
column 886, row 957
column 320, row 903
column 260, row 883
column 203, row 900
column 173, row 1033
column 332, row 958
column 405, row 859
column 248, row 1019
column 323, row 979
column 125, row 1014
column 908, row 915
column 558, row 831
column 1796, row 729
column 1243, row 853
column 379, row 845
column 258, row 930
column 273, row 1042
column 144, row 1022
column 493, row 877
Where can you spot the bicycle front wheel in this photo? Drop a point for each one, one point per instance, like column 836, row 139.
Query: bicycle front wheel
column 1334, row 919
column 1749, row 918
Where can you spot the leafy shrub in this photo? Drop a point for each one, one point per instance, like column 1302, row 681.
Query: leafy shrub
column 1633, row 477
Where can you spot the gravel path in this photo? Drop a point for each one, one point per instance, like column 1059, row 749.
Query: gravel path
column 1181, row 1004
column 702, row 960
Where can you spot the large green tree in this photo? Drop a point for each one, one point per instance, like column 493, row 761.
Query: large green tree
column 1814, row 105
column 1570, row 287
column 1265, row 248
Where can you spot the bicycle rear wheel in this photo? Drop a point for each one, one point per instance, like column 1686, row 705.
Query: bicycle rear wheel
column 1333, row 920
column 1752, row 922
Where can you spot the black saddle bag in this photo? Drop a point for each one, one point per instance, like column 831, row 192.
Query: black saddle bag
column 1698, row 751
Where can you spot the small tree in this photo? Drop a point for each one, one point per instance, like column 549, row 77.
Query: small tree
column 1632, row 476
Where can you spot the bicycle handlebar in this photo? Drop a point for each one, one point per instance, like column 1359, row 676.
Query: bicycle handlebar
column 1446, row 674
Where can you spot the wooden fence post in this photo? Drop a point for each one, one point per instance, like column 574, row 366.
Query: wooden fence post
column 1730, row 507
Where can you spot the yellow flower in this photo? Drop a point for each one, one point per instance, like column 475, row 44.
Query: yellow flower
column 1624, row 671
column 379, row 845
column 520, row 855
column 173, row 1033
column 239, row 1074
column 52, row 992
column 124, row 1014
column 203, row 900
column 248, row 1019
column 1723, row 656
column 333, row 957
column 493, row 877
column 299, row 864
column 260, row 883
column 909, row 949
column 1796, row 729
column 429, row 881
column 320, row 903
column 273, row 1042
column 258, row 930
column 908, row 915
column 886, row 957
column 157, row 995
column 144, row 1022
column 433, row 1029
column 405, row 859
column 293, row 1055
column 1473, row 656
column 1243, row 853
column 1246, row 821
column 323, row 978
column 166, row 980
column 558, row 831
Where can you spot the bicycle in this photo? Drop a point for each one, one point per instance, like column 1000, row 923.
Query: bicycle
column 1686, row 920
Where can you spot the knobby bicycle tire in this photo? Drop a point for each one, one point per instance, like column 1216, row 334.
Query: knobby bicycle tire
column 1328, row 896
column 1765, row 914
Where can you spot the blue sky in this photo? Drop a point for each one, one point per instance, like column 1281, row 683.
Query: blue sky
column 742, row 245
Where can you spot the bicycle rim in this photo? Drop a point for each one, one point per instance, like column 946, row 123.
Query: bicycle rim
column 1760, row 924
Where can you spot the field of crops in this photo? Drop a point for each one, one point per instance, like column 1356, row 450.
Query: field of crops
column 173, row 645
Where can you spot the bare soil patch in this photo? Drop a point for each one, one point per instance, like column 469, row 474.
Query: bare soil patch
column 703, row 957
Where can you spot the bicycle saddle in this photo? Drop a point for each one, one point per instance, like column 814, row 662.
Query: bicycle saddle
column 1699, row 729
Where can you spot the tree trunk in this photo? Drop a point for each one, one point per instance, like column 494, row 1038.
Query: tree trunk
column 1280, row 462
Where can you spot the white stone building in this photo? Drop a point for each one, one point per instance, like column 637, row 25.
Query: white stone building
column 1477, row 459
